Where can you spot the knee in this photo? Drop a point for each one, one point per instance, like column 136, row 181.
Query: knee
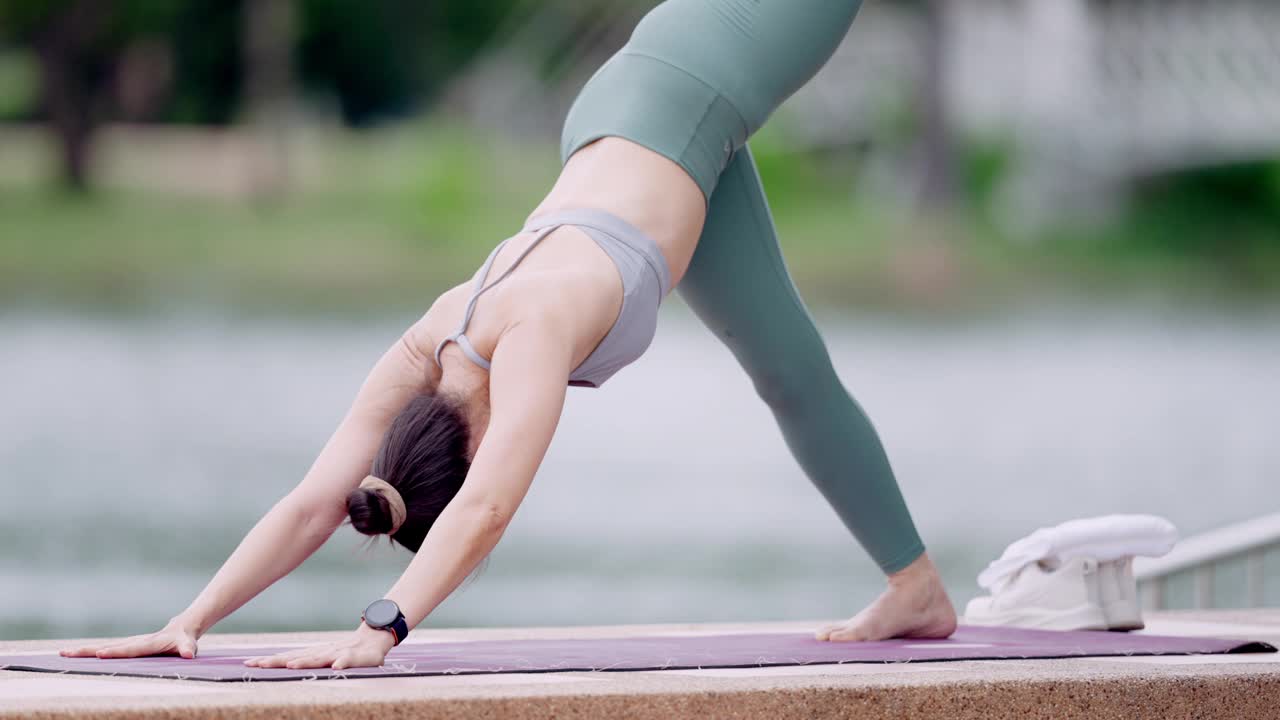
column 785, row 391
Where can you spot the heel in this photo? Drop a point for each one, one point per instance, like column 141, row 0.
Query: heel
column 1120, row 595
column 1123, row 616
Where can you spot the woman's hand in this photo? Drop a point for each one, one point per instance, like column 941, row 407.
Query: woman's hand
column 365, row 647
column 176, row 638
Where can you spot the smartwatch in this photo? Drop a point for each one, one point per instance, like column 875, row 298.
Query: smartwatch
column 385, row 615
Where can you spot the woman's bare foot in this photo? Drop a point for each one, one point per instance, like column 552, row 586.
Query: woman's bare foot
column 915, row 605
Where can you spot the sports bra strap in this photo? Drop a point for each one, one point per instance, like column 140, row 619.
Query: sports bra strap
column 467, row 349
column 459, row 336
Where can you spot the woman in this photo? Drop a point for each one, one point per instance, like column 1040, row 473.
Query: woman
column 658, row 189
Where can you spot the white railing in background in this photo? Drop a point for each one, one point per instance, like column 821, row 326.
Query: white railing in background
column 1201, row 554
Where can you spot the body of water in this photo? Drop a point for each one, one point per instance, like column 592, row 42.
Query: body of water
column 136, row 452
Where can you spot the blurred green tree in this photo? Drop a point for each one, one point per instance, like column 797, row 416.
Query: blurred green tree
column 78, row 43
column 378, row 58
column 384, row 58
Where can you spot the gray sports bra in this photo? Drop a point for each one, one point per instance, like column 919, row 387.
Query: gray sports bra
column 645, row 281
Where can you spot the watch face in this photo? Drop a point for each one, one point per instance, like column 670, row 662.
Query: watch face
column 381, row 613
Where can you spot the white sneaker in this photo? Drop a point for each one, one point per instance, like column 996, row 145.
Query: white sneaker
column 1067, row 597
column 1118, row 594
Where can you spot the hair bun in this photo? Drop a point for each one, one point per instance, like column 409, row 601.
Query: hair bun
column 369, row 511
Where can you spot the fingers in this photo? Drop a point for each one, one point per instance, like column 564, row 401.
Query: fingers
column 337, row 657
column 282, row 659
column 187, row 649
column 150, row 645
column 89, row 650
column 134, row 647
column 319, row 660
column 268, row 660
column 306, row 658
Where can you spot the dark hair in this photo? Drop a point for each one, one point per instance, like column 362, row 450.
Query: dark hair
column 424, row 457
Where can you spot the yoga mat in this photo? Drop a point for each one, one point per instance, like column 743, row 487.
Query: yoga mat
column 650, row 653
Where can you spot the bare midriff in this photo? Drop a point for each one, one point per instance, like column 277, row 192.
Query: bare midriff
column 638, row 185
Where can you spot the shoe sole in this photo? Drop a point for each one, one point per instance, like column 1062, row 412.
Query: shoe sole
column 1083, row 617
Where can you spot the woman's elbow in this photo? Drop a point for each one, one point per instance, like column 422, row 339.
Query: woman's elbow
column 489, row 517
column 313, row 517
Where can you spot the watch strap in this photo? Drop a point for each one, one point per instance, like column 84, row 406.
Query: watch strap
column 399, row 628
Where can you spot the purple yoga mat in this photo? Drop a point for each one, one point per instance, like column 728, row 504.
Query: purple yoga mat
column 651, row 653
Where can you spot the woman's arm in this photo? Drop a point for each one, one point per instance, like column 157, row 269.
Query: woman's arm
column 305, row 518
column 298, row 524
column 527, row 382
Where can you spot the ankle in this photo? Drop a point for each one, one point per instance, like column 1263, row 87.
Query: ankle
column 921, row 571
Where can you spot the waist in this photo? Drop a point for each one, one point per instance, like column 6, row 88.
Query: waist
column 615, row 236
column 654, row 195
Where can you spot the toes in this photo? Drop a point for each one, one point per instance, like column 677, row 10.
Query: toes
column 836, row 633
column 844, row 635
column 853, row 632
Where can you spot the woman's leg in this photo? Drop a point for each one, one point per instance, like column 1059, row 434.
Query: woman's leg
column 739, row 286
column 698, row 77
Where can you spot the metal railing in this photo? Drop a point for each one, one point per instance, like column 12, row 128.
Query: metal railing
column 1200, row 555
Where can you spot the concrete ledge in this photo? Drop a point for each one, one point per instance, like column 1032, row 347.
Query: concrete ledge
column 1226, row 686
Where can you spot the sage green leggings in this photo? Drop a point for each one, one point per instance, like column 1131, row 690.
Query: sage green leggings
column 696, row 79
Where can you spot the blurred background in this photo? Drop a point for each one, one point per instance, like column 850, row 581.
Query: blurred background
column 1042, row 239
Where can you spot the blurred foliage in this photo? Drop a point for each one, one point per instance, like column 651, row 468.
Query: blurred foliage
column 383, row 58
column 400, row 208
column 394, row 215
column 986, row 164
column 19, row 84
column 376, row 58
column 1220, row 223
column 205, row 40
column 1220, row 209
column 114, row 20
